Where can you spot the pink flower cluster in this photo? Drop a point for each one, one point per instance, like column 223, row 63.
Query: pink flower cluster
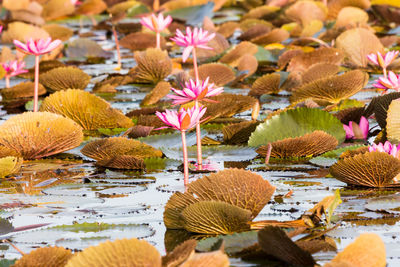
column 195, row 91
column 14, row 68
column 389, row 148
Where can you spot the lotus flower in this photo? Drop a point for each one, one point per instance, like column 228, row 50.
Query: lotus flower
column 1, row 29
column 389, row 148
column 13, row 68
column 156, row 24
column 383, row 61
column 195, row 91
column 391, row 82
column 183, row 120
column 37, row 48
column 193, row 39
column 357, row 131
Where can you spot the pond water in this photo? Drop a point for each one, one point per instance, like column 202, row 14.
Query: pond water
column 83, row 205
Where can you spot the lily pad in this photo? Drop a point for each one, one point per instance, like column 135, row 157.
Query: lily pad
column 294, row 123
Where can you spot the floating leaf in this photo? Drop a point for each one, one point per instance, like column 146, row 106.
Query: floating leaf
column 40, row 134
column 393, row 121
column 109, row 148
column 91, row 7
column 90, row 111
column 319, row 71
column 239, row 133
column 351, row 17
column 255, row 31
column 332, row 89
column 193, row 15
column 296, row 122
column 233, row 244
column 305, row 11
column 370, row 169
column 228, row 105
column 368, row 250
column 302, row 61
column 276, row 243
column 122, row 162
column 215, row 217
column 335, row 6
column 232, row 57
column 357, row 44
column 218, row 73
column 153, row 65
column 54, row 9
column 141, row 41
column 64, row 78
column 86, row 48
column 215, row 258
column 123, row 252
column 274, row 36
column 254, row 191
column 45, row 257
column 268, row 84
column 247, row 64
column 162, row 89
column 227, row 29
column 21, row 90
column 22, row 32
column 108, row 84
column 9, row 165
column 180, row 254
column 58, row 32
column 311, row 144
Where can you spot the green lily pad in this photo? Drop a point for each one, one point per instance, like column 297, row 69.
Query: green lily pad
column 295, row 123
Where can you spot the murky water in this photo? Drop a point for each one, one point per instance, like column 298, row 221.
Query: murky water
column 83, row 205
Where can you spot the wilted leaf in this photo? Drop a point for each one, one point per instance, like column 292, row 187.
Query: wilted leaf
column 90, row 111
column 64, row 78
column 232, row 57
column 86, row 48
column 162, row 89
column 393, row 121
column 153, row 65
column 311, row 144
column 218, row 73
column 276, row 243
column 40, row 134
column 368, row 250
column 123, row 252
column 9, row 165
column 45, row 257
column 356, row 44
column 331, row 89
column 21, row 90
column 370, row 169
column 215, row 217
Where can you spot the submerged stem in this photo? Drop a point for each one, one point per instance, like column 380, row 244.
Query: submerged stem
column 185, row 159
column 36, row 92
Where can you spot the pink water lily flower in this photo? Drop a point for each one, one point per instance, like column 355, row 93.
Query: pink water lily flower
column 383, row 61
column 391, row 82
column 195, row 91
column 156, row 24
column 183, row 120
column 38, row 47
column 198, row 38
column 13, row 68
column 357, row 131
column 389, row 148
